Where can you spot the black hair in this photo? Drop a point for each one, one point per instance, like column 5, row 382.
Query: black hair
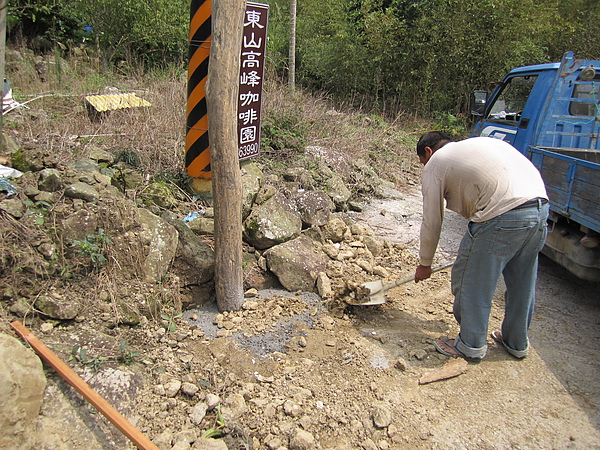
column 431, row 139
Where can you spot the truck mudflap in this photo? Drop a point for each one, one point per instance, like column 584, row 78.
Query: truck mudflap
column 573, row 186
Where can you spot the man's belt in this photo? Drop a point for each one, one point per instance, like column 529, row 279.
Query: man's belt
column 536, row 202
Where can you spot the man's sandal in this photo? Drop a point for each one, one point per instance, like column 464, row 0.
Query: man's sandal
column 446, row 347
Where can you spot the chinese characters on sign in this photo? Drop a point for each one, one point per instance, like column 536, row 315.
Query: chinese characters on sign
column 252, row 64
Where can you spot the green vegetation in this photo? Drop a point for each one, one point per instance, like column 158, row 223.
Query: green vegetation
column 216, row 430
column 423, row 57
column 169, row 321
column 125, row 356
column 283, row 129
column 93, row 246
column 80, row 354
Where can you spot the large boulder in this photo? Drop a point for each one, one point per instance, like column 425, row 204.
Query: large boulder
column 297, row 263
column 335, row 187
column 272, row 223
column 252, row 182
column 194, row 260
column 314, row 207
column 22, row 384
column 78, row 225
column 161, row 239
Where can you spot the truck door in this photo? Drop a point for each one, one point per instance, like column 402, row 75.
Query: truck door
column 513, row 111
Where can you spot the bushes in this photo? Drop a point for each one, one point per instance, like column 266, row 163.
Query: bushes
column 283, row 130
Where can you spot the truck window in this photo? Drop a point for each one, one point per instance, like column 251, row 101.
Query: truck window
column 586, row 90
column 511, row 101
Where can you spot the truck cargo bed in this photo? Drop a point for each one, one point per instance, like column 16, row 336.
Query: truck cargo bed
column 573, row 184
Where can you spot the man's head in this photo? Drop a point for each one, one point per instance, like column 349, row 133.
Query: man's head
column 429, row 143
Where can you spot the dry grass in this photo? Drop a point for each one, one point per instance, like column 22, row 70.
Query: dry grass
column 58, row 121
column 57, row 117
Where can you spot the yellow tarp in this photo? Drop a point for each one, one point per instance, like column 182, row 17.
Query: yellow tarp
column 115, row 101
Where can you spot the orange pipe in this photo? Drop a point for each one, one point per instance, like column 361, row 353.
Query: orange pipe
column 84, row 389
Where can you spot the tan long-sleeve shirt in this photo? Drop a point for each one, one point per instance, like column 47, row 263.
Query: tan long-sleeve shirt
column 478, row 178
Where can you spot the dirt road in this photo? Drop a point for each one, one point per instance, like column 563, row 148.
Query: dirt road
column 549, row 400
column 350, row 380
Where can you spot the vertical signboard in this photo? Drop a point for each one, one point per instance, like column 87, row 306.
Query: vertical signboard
column 252, row 67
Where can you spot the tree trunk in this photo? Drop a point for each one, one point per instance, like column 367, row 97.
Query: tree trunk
column 221, row 95
column 292, row 50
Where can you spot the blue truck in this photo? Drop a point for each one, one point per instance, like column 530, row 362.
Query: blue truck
column 551, row 114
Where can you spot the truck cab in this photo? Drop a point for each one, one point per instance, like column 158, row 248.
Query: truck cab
column 551, row 114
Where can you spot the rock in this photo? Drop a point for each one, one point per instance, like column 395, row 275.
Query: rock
column 82, row 191
column 335, row 187
column 164, row 440
column 127, row 315
column 297, row 263
column 58, row 307
column 202, row 226
column 46, row 327
column 194, row 260
column 22, row 384
column 382, row 416
column 292, row 409
column 252, row 182
column 161, row 239
column 13, row 206
column 233, row 407
column 85, row 165
column 301, row 393
column 419, row 354
column 189, row 389
column 128, row 179
column 159, row 194
column 185, row 436
column 198, row 413
column 335, row 229
column 314, row 207
column 302, row 440
column 374, row 245
column 172, row 388
column 101, row 156
column 45, row 197
column 401, row 364
column 272, row 223
column 251, row 293
column 324, row 285
column 209, row 444
column 50, row 180
column 78, row 225
column 265, row 194
column 212, row 401
column 381, row 272
column 368, row 444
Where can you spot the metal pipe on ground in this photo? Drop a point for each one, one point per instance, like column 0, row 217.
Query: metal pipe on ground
column 136, row 436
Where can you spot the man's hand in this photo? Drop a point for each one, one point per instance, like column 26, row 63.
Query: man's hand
column 422, row 273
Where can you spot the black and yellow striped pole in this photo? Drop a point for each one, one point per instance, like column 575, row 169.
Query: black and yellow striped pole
column 197, row 151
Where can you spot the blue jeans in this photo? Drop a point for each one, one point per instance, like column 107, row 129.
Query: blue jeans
column 506, row 245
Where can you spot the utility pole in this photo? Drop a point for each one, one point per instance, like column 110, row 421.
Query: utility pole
column 222, row 90
column 292, row 49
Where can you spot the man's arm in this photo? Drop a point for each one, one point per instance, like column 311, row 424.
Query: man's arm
column 431, row 227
